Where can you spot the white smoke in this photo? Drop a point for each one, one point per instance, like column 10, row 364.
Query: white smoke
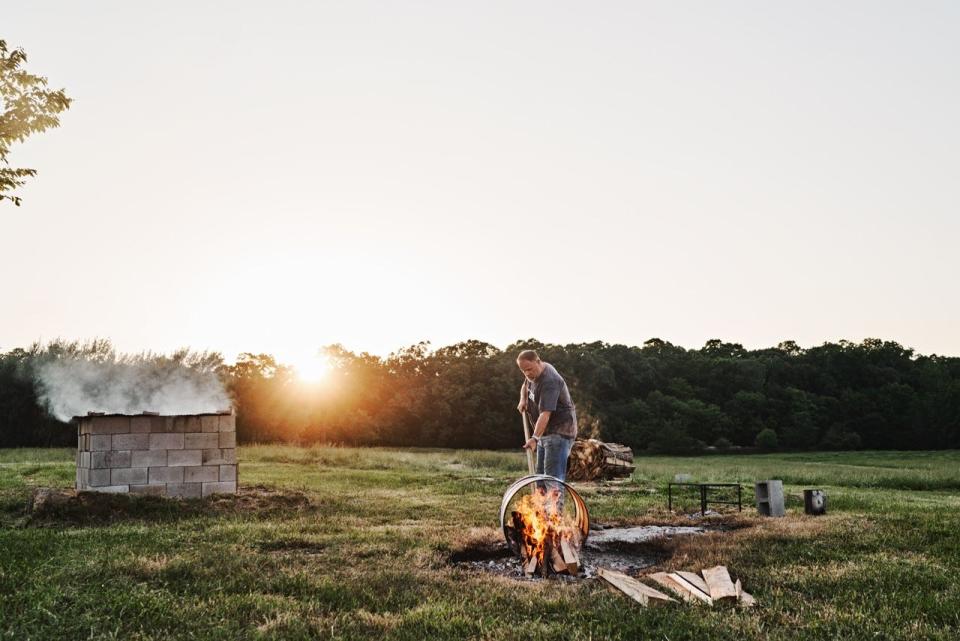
column 184, row 383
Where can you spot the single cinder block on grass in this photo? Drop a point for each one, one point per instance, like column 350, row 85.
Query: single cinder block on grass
column 166, row 441
column 184, row 457
column 148, row 458
column 201, row 474
column 166, row 475
column 128, row 476
column 228, row 439
column 219, row 488
column 131, row 441
column 228, row 472
column 201, row 441
column 185, row 490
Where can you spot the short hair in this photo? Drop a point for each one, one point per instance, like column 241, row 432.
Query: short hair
column 528, row 355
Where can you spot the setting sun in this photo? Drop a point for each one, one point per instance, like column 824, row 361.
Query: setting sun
column 312, row 368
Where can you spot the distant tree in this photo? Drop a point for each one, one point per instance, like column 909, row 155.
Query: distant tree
column 767, row 439
column 28, row 108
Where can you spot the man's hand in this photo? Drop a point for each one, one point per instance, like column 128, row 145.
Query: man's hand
column 522, row 405
column 531, row 444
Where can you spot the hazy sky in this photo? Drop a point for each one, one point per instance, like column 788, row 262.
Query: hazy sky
column 278, row 176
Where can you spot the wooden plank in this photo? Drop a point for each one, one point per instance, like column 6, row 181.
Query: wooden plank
column 746, row 600
column 694, row 589
column 570, row 557
column 718, row 581
column 556, row 557
column 531, row 566
column 696, row 580
column 672, row 584
column 642, row 594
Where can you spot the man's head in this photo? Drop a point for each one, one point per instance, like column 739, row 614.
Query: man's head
column 530, row 364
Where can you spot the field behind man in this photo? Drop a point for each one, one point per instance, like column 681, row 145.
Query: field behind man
column 352, row 543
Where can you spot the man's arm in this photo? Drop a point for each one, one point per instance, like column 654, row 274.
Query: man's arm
column 538, row 430
column 522, row 406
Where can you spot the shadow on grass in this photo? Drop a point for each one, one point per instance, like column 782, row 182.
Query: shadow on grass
column 69, row 508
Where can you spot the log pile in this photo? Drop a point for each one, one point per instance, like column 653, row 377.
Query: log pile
column 714, row 586
column 593, row 460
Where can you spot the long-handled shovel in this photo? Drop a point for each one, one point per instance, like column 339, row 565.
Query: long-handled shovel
column 531, row 463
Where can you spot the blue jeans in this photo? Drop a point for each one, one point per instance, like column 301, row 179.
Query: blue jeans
column 552, row 454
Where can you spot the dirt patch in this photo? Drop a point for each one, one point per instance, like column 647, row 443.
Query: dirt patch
column 61, row 507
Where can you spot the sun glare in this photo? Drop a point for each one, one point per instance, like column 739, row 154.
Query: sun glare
column 312, row 369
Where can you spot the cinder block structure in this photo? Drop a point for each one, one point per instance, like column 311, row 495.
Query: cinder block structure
column 189, row 456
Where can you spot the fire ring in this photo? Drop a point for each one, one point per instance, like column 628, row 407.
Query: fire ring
column 582, row 516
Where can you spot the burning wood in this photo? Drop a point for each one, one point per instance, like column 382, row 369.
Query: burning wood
column 547, row 540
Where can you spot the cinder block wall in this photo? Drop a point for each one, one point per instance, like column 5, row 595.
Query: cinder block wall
column 188, row 456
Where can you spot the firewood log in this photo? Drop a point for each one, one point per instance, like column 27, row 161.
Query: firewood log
column 592, row 460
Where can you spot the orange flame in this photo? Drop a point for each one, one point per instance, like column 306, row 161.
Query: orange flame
column 543, row 518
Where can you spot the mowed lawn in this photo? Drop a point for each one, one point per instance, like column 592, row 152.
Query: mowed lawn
column 355, row 544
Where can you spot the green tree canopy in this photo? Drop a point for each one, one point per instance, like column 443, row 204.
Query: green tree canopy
column 28, row 107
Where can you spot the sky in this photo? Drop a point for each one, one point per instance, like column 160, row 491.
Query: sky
column 274, row 177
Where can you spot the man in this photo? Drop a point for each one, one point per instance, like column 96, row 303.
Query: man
column 545, row 392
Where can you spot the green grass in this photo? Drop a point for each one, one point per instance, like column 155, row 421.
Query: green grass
column 367, row 558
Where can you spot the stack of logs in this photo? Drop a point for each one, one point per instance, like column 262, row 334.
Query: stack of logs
column 593, row 460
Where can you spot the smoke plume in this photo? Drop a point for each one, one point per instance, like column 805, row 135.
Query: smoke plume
column 184, row 383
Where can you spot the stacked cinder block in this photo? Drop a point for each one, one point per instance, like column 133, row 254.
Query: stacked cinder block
column 188, row 456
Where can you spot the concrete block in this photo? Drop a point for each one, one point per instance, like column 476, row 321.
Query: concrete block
column 166, row 441
column 200, row 441
column 131, row 441
column 151, row 490
column 184, row 457
column 113, row 489
column 84, row 426
column 140, row 425
column 209, row 423
column 229, row 456
column 85, row 459
column 228, row 423
column 148, row 458
column 201, row 474
column 161, row 424
column 228, row 439
column 213, row 456
column 166, row 475
column 769, row 496
column 128, row 476
column 219, row 488
column 228, row 473
column 113, row 458
column 186, row 424
column 109, row 424
column 97, row 478
column 185, row 490
column 100, row 442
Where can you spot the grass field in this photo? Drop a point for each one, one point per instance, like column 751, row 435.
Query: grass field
column 355, row 545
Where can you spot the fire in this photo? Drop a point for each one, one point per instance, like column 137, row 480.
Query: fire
column 546, row 537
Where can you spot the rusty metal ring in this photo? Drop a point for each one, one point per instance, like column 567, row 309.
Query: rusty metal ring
column 582, row 518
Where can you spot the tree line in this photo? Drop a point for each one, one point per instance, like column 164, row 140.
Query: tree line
column 657, row 397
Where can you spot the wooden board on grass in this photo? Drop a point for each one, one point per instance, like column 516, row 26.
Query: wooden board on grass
column 642, row 594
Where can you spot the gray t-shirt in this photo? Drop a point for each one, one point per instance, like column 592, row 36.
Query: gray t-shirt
column 549, row 393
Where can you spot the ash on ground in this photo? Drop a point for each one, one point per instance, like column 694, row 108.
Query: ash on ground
column 625, row 549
